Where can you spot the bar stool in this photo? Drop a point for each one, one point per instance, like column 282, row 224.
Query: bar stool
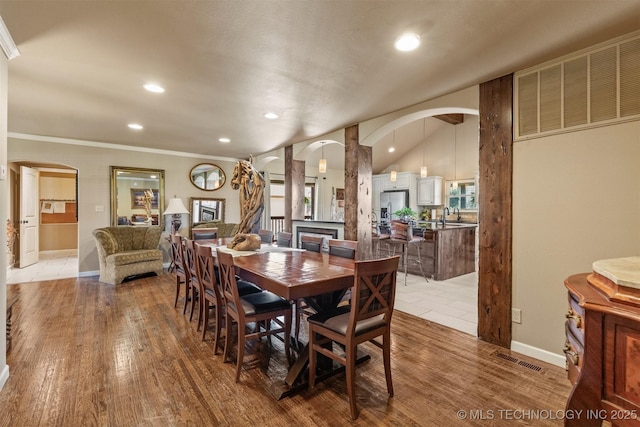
column 402, row 235
column 376, row 238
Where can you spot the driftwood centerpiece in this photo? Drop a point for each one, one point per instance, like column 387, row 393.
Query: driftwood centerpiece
column 245, row 242
column 251, row 185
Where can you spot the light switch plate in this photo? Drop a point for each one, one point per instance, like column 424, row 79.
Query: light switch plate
column 516, row 315
column 3, row 172
column 99, row 208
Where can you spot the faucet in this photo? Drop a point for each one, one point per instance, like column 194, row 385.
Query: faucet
column 459, row 217
column 444, row 215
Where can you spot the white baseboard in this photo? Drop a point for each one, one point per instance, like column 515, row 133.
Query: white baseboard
column 4, row 376
column 89, row 273
column 538, row 353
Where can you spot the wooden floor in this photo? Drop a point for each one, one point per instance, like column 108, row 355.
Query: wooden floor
column 91, row 354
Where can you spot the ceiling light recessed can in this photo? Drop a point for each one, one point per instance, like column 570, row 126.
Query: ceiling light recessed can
column 271, row 116
column 135, row 126
column 225, row 140
column 407, row 42
column 153, row 87
column 391, row 149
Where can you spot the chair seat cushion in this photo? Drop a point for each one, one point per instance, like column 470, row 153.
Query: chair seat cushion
column 247, row 288
column 263, row 302
column 337, row 320
column 132, row 257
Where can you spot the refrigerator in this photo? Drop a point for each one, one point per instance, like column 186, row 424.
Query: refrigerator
column 391, row 201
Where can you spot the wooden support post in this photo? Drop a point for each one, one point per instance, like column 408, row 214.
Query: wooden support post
column 357, row 183
column 494, row 214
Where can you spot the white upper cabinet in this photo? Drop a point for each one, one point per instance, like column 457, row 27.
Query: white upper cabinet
column 430, row 191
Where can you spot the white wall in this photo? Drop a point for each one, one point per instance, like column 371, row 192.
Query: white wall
column 93, row 165
column 576, row 199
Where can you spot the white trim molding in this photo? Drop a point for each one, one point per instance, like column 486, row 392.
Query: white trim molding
column 538, row 353
column 6, row 41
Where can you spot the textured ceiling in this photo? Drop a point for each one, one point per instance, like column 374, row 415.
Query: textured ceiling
column 321, row 65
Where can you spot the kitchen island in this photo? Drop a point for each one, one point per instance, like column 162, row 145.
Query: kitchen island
column 446, row 252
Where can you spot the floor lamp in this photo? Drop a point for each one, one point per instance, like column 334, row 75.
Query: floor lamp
column 176, row 209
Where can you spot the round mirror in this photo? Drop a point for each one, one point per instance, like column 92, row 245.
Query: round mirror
column 207, row 177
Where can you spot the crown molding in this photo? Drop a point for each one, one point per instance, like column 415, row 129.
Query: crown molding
column 6, row 41
column 95, row 144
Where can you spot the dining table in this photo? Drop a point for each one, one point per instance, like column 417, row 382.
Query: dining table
column 318, row 278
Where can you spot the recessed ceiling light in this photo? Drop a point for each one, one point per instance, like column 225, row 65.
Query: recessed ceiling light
column 271, row 116
column 225, row 140
column 407, row 42
column 135, row 126
column 152, row 87
column 391, row 149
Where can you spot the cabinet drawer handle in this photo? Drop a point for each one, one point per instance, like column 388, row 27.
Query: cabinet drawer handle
column 576, row 318
column 570, row 353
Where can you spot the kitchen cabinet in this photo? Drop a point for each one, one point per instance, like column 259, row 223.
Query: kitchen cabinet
column 404, row 181
column 430, row 191
column 445, row 252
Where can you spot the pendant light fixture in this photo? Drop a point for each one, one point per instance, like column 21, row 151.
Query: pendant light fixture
column 423, row 169
column 322, row 165
column 454, row 185
column 394, row 174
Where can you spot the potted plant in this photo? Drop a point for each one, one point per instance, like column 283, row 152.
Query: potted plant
column 405, row 214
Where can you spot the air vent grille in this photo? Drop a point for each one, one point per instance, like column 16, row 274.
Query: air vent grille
column 592, row 88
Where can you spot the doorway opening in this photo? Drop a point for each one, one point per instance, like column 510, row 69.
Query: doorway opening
column 43, row 217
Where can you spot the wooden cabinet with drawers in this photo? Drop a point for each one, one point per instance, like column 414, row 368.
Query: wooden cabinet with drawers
column 602, row 349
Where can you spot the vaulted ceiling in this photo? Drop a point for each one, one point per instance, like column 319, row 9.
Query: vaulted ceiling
column 320, row 65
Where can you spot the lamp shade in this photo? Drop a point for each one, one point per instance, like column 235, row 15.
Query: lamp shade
column 322, row 166
column 175, row 207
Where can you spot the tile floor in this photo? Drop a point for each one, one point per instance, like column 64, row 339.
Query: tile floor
column 451, row 303
column 51, row 266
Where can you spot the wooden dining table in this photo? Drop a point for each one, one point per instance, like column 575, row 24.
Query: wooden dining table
column 319, row 278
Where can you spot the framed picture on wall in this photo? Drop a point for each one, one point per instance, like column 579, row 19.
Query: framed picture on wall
column 339, row 193
column 137, row 199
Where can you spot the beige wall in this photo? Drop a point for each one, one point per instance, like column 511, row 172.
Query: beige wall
column 93, row 164
column 576, row 200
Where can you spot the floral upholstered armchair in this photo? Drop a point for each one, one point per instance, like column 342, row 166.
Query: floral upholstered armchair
column 127, row 251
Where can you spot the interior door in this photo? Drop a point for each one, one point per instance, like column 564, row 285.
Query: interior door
column 29, row 216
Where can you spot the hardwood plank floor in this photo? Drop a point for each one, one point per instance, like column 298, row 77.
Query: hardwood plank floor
column 90, row 354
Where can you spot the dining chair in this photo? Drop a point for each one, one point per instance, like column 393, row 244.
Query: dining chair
column 266, row 236
column 368, row 317
column 211, row 294
column 180, row 269
column 204, row 233
column 284, row 239
column 260, row 308
column 343, row 248
column 211, row 291
column 311, row 243
column 194, row 288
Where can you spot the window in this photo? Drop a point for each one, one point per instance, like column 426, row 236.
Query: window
column 462, row 195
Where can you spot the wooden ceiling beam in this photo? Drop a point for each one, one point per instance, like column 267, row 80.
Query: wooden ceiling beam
column 452, row 119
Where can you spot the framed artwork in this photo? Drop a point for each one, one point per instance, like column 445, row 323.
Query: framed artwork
column 339, row 193
column 137, row 198
column 207, row 213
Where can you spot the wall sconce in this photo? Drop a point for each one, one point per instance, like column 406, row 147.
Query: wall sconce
column 322, row 165
column 393, row 176
column 176, row 209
